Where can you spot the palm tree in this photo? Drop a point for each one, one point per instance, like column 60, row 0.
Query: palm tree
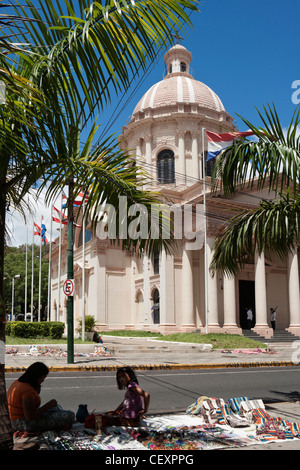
column 74, row 58
column 271, row 161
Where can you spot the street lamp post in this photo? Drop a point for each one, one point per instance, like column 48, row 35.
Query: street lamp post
column 17, row 276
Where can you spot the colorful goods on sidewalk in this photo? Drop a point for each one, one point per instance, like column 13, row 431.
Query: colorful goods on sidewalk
column 216, row 425
column 36, row 350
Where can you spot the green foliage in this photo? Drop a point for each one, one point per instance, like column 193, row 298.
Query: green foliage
column 15, row 263
column 22, row 329
column 89, row 323
column 271, row 162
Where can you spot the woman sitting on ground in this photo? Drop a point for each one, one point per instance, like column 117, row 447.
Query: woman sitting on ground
column 24, row 402
column 133, row 408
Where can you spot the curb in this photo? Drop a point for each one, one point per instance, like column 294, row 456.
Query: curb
column 78, row 368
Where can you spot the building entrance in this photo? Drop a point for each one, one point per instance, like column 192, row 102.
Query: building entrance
column 247, row 299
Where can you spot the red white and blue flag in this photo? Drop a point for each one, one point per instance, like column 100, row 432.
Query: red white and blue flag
column 80, row 199
column 64, row 218
column 216, row 143
column 41, row 232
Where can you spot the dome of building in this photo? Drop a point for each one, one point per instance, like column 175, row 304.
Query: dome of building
column 178, row 86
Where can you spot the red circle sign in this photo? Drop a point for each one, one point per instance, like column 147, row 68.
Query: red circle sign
column 68, row 287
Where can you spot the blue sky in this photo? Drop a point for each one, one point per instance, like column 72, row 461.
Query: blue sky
column 246, row 51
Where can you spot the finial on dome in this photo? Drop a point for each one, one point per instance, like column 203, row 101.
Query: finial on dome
column 176, row 35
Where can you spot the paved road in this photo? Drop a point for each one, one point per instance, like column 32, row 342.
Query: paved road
column 171, row 390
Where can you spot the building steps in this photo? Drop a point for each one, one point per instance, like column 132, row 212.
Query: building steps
column 279, row 336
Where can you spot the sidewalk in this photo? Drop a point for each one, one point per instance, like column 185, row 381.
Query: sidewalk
column 145, row 353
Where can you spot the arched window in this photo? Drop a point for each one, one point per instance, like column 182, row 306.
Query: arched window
column 166, row 167
column 182, row 67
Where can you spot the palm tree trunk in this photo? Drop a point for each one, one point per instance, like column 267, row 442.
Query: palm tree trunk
column 6, row 434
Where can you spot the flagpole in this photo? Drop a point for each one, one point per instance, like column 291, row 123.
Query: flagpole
column 40, row 273
column 83, row 276
column 32, row 272
column 205, row 229
column 25, row 300
column 49, row 270
column 59, row 259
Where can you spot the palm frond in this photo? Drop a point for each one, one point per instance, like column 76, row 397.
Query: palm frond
column 99, row 46
column 272, row 227
column 272, row 160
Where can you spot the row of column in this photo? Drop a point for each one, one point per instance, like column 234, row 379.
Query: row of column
column 261, row 310
column 167, row 286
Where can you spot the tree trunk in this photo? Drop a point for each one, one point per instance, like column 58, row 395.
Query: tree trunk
column 6, row 434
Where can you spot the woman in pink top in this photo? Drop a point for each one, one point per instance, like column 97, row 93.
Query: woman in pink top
column 135, row 404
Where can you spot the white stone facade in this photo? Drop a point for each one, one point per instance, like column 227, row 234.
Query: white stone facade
column 173, row 293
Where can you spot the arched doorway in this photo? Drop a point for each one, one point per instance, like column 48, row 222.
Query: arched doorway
column 140, row 314
column 247, row 299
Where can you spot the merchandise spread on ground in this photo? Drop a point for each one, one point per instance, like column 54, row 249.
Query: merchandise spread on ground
column 36, row 350
column 208, row 424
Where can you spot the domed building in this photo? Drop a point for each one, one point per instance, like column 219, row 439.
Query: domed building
column 176, row 293
column 166, row 124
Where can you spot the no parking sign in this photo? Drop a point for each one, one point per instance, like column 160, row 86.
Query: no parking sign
column 68, row 287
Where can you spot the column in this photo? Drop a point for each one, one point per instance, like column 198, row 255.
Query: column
column 261, row 312
column 230, row 324
column 100, row 287
column 147, row 303
column 212, row 292
column 167, row 300
column 188, row 314
column 181, row 179
column 132, row 320
column 293, row 289
column 149, row 168
column 195, row 156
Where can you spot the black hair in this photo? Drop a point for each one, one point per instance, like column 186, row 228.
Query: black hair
column 130, row 373
column 34, row 372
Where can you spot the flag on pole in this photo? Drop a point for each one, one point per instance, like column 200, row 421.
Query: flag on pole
column 40, row 232
column 43, row 232
column 64, row 218
column 80, row 198
column 216, row 143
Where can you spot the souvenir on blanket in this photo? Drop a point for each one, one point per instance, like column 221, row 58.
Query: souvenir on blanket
column 260, row 415
column 225, row 416
column 237, row 421
column 247, row 407
column 235, row 403
column 195, row 408
column 209, row 409
column 222, row 413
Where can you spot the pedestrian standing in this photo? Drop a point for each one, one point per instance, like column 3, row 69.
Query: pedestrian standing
column 249, row 318
column 273, row 317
